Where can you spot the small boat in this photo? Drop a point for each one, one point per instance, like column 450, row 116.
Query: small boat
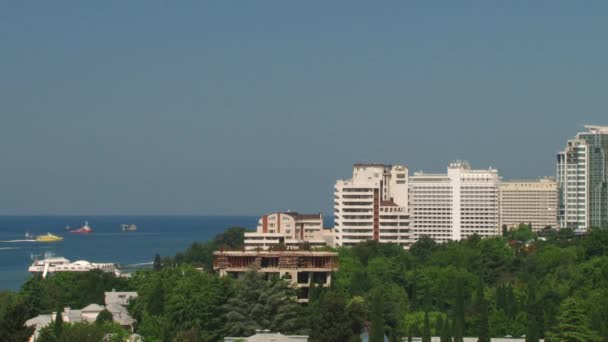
column 128, row 227
column 84, row 230
column 48, row 238
column 28, row 235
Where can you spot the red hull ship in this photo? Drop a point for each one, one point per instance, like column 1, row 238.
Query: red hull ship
column 84, row 230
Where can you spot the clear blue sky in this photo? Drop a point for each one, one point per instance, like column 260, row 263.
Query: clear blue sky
column 245, row 107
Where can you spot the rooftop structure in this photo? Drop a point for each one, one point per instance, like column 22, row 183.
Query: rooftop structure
column 372, row 205
column 302, row 268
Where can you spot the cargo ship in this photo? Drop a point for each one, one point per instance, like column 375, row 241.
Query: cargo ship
column 128, row 227
column 48, row 238
column 84, row 230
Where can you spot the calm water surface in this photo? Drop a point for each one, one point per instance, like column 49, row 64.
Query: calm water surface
column 164, row 235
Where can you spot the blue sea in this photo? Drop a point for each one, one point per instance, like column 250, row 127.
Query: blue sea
column 164, row 235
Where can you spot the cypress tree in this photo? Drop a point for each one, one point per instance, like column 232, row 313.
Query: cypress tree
column 438, row 325
column 426, row 331
column 446, row 332
column 458, row 319
column 500, row 297
column 483, row 330
column 377, row 320
column 510, row 303
column 157, row 265
column 532, row 328
column 58, row 324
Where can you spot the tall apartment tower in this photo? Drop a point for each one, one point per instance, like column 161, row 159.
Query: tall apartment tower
column 531, row 202
column 372, row 205
column 582, row 178
column 454, row 205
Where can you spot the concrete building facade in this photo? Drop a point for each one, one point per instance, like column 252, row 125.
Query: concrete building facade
column 531, row 202
column 290, row 229
column 372, row 205
column 582, row 178
column 454, row 205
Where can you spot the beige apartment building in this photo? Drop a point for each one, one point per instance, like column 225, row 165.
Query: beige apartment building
column 290, row 229
column 532, row 202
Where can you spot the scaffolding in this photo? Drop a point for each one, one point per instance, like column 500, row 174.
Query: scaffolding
column 282, row 260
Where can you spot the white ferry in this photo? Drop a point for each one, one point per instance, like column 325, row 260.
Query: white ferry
column 60, row 264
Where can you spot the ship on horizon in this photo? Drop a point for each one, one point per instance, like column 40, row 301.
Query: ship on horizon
column 128, row 227
column 84, row 230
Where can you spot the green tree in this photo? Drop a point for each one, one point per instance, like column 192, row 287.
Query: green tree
column 155, row 328
column 331, row 321
column 58, row 324
column 104, row 316
column 12, row 326
column 377, row 318
column 458, row 312
column 357, row 313
column 423, row 248
column 446, row 332
column 81, row 332
column 572, row 324
column 426, row 330
column 157, row 264
column 483, row 328
column 438, row 325
column 262, row 304
column 156, row 303
column 533, row 316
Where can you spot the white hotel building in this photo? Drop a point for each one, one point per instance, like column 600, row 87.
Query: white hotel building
column 455, row 205
column 372, row 205
column 531, row 202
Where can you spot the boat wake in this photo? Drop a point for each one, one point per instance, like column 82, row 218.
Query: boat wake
column 11, row 241
column 8, row 248
column 142, row 264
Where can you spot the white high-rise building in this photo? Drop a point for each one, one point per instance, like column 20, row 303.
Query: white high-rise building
column 582, row 179
column 531, row 202
column 455, row 205
column 372, row 205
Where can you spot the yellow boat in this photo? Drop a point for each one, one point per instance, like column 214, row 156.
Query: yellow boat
column 48, row 238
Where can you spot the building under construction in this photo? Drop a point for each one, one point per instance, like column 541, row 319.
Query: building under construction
column 302, row 268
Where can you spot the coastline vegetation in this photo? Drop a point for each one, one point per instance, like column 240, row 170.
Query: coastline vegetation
column 551, row 285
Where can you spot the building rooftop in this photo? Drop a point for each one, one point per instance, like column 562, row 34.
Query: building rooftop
column 593, row 129
column 265, row 336
column 120, row 298
column 93, row 308
column 371, row 165
column 275, row 253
